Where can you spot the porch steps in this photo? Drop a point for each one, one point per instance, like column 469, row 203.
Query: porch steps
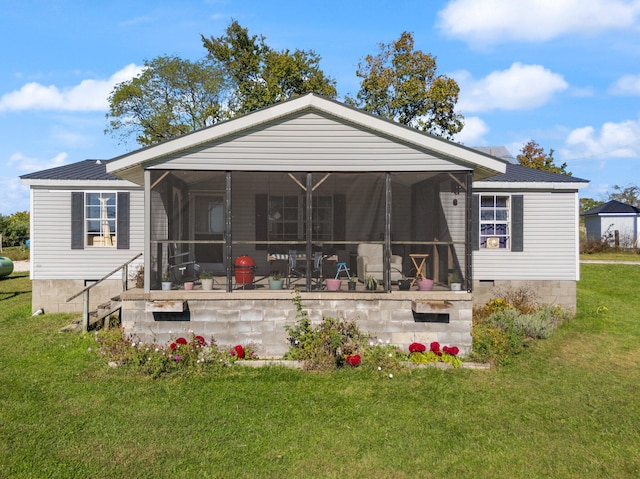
column 98, row 318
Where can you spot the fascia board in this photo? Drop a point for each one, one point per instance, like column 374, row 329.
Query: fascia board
column 79, row 183
column 515, row 185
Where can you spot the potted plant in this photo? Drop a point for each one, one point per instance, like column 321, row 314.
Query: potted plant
column 353, row 282
column 371, row 283
column 333, row 284
column 206, row 278
column 166, row 283
column 456, row 282
column 188, row 285
column 404, row 283
column 275, row 280
column 425, row 284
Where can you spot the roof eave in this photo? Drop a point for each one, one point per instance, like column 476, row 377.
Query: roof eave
column 529, row 185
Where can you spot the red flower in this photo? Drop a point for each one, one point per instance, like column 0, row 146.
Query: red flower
column 181, row 341
column 452, row 350
column 435, row 347
column 199, row 340
column 353, row 360
column 238, row 351
column 173, row 346
column 417, row 348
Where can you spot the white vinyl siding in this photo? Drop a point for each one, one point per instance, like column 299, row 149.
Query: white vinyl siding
column 308, row 142
column 550, row 246
column 52, row 256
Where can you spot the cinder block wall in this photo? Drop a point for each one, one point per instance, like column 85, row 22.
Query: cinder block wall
column 561, row 293
column 262, row 321
column 52, row 294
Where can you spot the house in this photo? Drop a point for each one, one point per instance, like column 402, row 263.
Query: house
column 304, row 187
column 615, row 222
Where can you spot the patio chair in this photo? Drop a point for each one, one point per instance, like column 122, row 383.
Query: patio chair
column 371, row 263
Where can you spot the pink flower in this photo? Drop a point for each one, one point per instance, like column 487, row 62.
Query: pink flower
column 177, row 358
column 417, row 348
column 353, row 360
column 181, row 340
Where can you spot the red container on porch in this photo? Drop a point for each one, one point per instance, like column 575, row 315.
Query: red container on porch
column 245, row 269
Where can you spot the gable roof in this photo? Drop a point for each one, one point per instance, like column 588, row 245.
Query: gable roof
column 613, row 207
column 131, row 165
column 518, row 176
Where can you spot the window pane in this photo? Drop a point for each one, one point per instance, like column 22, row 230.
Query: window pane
column 486, row 215
column 502, row 215
column 487, row 201
column 501, row 201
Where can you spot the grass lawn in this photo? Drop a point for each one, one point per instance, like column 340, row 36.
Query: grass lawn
column 567, row 407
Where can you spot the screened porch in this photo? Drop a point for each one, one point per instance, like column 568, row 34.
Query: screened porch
column 306, row 227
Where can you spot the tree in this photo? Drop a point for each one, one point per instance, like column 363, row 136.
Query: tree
column 629, row 194
column 402, row 85
column 587, row 204
column 533, row 155
column 260, row 76
column 170, row 98
column 14, row 229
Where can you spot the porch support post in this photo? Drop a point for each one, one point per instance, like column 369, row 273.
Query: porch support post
column 147, row 234
column 468, row 250
column 387, row 233
column 228, row 264
column 309, row 230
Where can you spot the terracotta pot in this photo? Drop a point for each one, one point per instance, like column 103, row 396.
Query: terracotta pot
column 188, row 285
column 425, row 284
column 333, row 284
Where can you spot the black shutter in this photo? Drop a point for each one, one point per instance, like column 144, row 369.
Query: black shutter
column 262, row 212
column 122, row 222
column 475, row 222
column 77, row 220
column 517, row 223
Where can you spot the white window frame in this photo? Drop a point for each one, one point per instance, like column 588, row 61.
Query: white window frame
column 107, row 234
column 494, row 215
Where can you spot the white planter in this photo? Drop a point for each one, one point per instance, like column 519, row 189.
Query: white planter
column 207, row 284
column 456, row 286
column 166, row 286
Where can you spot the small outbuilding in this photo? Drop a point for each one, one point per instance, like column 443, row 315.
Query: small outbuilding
column 614, row 222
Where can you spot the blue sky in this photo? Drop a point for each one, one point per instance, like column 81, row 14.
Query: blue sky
column 565, row 73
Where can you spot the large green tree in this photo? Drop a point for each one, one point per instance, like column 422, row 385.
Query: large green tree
column 403, row 85
column 260, row 76
column 14, row 229
column 533, row 155
column 171, row 97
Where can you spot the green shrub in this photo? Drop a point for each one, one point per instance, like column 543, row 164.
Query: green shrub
column 541, row 323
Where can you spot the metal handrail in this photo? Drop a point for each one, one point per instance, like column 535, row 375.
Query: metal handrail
column 85, row 302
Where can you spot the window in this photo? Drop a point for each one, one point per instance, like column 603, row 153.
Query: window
column 100, row 217
column 286, row 218
column 495, row 221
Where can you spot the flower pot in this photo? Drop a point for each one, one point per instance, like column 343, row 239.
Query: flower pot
column 425, row 284
column 333, row 284
column 275, row 284
column 352, row 285
column 166, row 286
column 404, row 284
column 207, row 284
column 188, row 286
column 456, row 286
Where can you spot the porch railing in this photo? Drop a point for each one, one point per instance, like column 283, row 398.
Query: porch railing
column 85, row 292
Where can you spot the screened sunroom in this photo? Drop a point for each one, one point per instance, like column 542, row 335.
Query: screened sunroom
column 242, row 227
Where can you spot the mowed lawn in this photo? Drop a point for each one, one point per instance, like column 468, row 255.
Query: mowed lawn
column 567, row 407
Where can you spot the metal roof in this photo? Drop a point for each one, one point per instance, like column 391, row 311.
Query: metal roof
column 523, row 174
column 613, row 207
column 81, row 170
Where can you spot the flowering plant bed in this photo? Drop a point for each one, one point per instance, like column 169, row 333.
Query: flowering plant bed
column 418, row 354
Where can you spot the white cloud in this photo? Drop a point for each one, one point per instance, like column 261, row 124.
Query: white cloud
column 24, row 163
column 14, row 196
column 88, row 95
column 626, row 85
column 485, row 22
column 614, row 140
column 521, row 87
column 473, row 131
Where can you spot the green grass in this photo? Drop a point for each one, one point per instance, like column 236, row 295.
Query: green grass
column 614, row 255
column 567, row 407
column 15, row 253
